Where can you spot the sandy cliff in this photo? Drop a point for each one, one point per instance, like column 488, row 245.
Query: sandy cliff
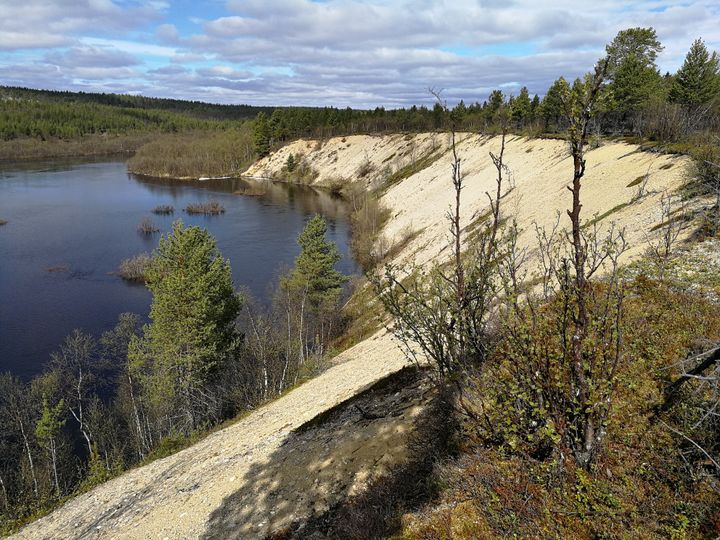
column 259, row 474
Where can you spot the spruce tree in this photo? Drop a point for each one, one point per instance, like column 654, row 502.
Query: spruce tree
column 314, row 269
column 521, row 106
column 261, row 135
column 698, row 80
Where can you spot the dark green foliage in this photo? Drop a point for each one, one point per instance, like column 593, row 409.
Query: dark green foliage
column 698, row 80
column 192, row 334
column 290, row 163
column 635, row 83
column 552, row 108
column 314, row 270
column 521, row 109
column 641, row 43
column 261, row 135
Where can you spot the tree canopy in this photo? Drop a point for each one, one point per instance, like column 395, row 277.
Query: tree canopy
column 698, row 80
column 193, row 314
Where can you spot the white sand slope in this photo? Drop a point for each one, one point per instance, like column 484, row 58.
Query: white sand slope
column 254, row 476
column 540, row 170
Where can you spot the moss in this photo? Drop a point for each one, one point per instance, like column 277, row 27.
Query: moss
column 636, row 181
column 413, row 168
column 599, row 218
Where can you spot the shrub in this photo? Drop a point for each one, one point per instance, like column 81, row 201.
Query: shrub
column 163, row 210
column 146, row 226
column 133, row 269
column 367, row 219
column 210, row 208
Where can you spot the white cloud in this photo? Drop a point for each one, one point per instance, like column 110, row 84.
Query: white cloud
column 341, row 52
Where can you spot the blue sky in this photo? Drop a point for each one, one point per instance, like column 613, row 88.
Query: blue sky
column 359, row 53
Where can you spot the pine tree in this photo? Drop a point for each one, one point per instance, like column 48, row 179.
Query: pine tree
column 698, row 80
column 552, row 108
column 495, row 101
column 634, row 84
column 193, row 314
column 642, row 43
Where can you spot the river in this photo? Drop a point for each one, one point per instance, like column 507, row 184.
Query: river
column 69, row 225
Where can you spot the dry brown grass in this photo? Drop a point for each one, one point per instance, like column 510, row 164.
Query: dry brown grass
column 210, row 208
column 163, row 210
column 146, row 226
column 133, row 269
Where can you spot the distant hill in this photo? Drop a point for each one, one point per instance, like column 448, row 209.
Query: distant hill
column 199, row 109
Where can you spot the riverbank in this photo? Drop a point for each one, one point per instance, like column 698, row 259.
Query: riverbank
column 195, row 155
column 31, row 149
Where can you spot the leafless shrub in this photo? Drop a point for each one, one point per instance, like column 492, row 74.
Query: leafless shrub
column 163, row 210
column 133, row 269
column 660, row 249
column 365, row 168
column 210, row 208
column 146, row 226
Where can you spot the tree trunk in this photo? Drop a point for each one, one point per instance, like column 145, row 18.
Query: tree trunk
column 29, row 456
column 5, row 496
column 53, row 455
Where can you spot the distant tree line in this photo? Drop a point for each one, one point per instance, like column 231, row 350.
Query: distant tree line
column 636, row 99
column 21, row 118
column 143, row 391
column 199, row 109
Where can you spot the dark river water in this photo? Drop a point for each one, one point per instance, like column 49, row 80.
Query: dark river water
column 71, row 224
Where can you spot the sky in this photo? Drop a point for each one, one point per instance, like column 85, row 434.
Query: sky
column 356, row 53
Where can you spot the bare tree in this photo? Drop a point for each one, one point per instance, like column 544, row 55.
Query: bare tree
column 662, row 248
column 440, row 314
column 75, row 365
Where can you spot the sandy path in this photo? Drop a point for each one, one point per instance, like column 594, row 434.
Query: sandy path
column 175, row 497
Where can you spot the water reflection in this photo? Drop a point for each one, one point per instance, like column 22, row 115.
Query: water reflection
column 80, row 219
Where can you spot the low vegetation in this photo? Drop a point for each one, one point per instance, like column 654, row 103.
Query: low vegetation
column 195, row 155
column 133, row 269
column 297, row 170
column 163, row 210
column 146, row 226
column 80, row 147
column 210, row 208
column 584, row 395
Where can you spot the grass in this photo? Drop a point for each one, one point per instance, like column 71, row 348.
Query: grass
column 254, row 190
column 210, row 208
column 146, row 226
column 163, row 210
column 133, row 269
